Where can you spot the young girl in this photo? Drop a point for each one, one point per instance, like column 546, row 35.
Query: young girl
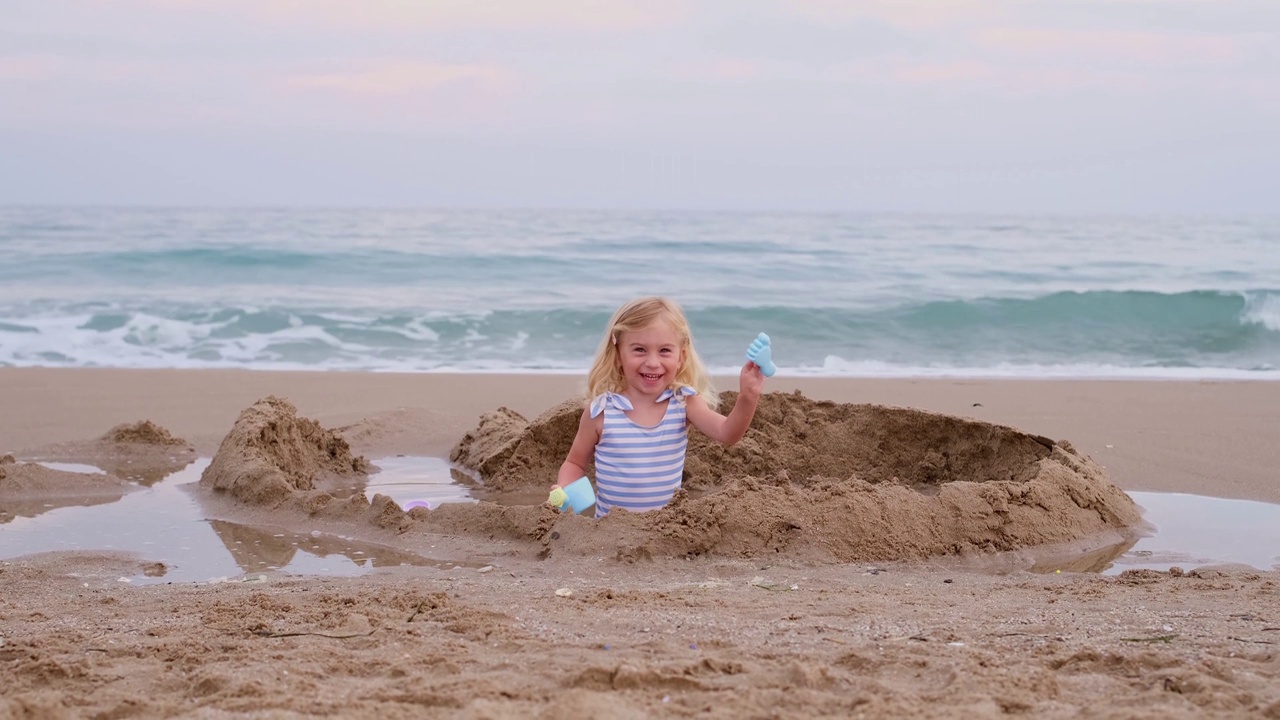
column 647, row 386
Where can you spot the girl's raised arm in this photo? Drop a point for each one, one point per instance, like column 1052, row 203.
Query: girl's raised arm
column 729, row 429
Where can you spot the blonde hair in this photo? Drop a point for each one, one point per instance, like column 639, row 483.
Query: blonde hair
column 638, row 314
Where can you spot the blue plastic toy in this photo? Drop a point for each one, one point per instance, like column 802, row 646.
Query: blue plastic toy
column 576, row 496
column 761, row 353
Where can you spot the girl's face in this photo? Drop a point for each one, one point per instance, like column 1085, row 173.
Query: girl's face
column 650, row 358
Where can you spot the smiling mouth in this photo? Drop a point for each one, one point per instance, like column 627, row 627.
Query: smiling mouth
column 650, row 376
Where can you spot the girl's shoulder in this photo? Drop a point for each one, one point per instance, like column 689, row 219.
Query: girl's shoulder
column 609, row 399
column 621, row 402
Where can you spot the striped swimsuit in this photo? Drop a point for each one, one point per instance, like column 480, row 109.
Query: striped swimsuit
column 639, row 468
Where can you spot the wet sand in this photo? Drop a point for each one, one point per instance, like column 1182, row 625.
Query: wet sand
column 595, row 628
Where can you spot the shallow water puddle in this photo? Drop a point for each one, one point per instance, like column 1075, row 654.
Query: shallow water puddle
column 164, row 523
column 1185, row 531
column 405, row 478
column 1194, row 530
column 75, row 468
column 434, row 480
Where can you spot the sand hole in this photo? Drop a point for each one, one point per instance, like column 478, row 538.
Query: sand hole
column 877, row 444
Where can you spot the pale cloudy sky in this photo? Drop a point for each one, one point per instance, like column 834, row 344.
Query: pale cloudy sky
column 849, row 105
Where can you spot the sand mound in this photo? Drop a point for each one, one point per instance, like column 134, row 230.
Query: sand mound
column 509, row 452
column 849, row 482
column 143, row 452
column 143, row 432
column 271, row 452
column 1059, row 498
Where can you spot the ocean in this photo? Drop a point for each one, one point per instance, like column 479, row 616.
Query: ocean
column 530, row 291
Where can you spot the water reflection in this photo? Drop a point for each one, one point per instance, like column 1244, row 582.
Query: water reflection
column 404, row 478
column 165, row 525
column 37, row 488
column 145, row 467
column 1185, row 531
column 13, row 509
column 145, row 472
column 1097, row 560
column 1193, row 530
column 256, row 550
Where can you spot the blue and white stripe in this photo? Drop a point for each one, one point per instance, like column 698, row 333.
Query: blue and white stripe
column 639, row 468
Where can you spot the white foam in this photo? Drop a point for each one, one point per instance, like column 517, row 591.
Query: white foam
column 1262, row 309
column 417, row 330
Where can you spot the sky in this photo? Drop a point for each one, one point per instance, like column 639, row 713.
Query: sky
column 983, row 106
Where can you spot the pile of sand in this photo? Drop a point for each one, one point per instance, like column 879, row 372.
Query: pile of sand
column 143, row 452
column 509, row 452
column 143, row 432
column 270, row 454
column 818, row 479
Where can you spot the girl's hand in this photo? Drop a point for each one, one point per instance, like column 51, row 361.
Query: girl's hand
column 751, row 380
column 557, row 497
column 760, row 352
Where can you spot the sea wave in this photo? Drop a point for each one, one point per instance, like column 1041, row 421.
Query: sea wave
column 1114, row 333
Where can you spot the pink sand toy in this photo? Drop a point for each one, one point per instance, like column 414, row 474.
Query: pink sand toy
column 761, row 353
column 416, row 503
column 576, row 496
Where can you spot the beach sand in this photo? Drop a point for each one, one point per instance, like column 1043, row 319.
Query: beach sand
column 769, row 598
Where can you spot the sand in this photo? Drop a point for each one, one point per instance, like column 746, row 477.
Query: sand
column 865, row 551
